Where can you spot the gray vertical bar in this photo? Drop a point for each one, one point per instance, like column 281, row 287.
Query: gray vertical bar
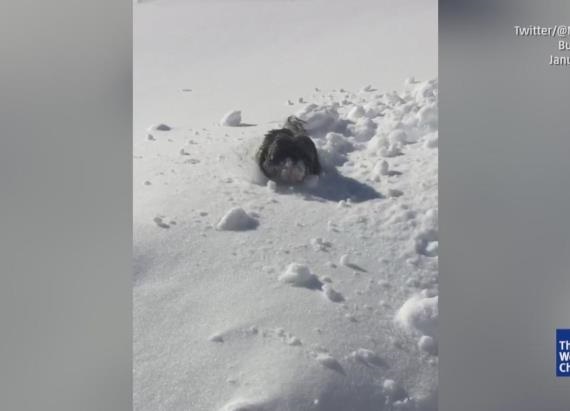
column 504, row 204
column 65, row 205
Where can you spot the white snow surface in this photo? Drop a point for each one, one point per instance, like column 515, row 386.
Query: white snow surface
column 321, row 297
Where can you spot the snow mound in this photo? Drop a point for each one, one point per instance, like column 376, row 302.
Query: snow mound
column 299, row 275
column 231, row 119
column 320, row 120
column 419, row 314
column 237, row 219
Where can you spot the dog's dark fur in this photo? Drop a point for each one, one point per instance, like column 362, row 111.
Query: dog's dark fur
column 289, row 142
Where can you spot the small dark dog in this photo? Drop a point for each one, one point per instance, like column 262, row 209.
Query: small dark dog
column 287, row 155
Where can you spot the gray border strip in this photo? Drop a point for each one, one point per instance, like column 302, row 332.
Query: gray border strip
column 65, row 174
column 504, row 203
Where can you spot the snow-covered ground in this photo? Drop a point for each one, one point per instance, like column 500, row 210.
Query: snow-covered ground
column 254, row 297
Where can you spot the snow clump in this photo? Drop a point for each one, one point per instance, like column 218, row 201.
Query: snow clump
column 237, row 220
column 231, row 119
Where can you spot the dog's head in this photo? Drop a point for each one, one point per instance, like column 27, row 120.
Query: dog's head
column 286, row 158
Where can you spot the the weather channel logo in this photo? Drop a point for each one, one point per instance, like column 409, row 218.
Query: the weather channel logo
column 563, row 353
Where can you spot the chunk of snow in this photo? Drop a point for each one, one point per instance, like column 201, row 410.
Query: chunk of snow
column 231, row 119
column 237, row 219
column 432, row 248
column 345, row 260
column 390, row 387
column 419, row 314
column 299, row 275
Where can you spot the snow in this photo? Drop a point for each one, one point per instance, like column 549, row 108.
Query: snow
column 368, row 357
column 240, row 302
column 334, row 150
column 237, row 219
column 319, row 244
column 383, row 168
column 392, row 150
column 216, row 338
column 345, row 260
column 332, row 294
column 432, row 140
column 159, row 127
column 326, row 360
column 427, row 344
column 419, row 314
column 300, row 275
column 355, row 113
column 231, row 119
column 398, row 136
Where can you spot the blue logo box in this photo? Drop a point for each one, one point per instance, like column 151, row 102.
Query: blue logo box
column 563, row 352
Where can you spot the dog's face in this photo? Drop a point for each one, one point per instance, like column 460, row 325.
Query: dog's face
column 288, row 159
